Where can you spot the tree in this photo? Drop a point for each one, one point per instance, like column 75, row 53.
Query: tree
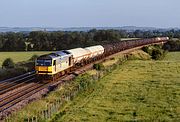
column 13, row 42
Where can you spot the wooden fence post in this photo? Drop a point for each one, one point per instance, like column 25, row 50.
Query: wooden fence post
column 49, row 111
column 28, row 119
column 32, row 119
column 46, row 114
column 36, row 119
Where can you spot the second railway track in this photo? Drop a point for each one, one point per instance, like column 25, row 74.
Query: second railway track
column 13, row 99
column 13, row 83
column 17, row 96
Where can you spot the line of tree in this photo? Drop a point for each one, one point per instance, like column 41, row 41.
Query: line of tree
column 40, row 40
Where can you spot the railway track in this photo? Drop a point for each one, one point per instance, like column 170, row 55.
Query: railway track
column 16, row 97
column 17, row 77
column 13, row 83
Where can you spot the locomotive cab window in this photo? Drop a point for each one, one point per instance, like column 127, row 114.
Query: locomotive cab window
column 70, row 61
column 54, row 62
column 47, row 62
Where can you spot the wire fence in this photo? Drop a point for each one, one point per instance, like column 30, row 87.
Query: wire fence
column 55, row 106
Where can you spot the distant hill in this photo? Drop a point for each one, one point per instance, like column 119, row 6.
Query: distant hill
column 127, row 28
column 27, row 29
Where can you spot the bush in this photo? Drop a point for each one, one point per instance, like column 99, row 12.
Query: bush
column 156, row 52
column 9, row 73
column 99, row 66
column 147, row 50
column 83, row 80
column 8, row 63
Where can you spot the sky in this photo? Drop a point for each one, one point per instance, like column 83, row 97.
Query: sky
column 89, row 13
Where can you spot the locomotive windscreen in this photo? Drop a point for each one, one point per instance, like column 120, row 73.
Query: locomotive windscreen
column 44, row 63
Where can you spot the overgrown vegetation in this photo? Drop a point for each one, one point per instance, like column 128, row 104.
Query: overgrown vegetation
column 8, row 63
column 98, row 66
column 10, row 69
column 9, row 73
column 138, row 55
column 156, row 52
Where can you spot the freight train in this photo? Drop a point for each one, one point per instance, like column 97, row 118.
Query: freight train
column 59, row 63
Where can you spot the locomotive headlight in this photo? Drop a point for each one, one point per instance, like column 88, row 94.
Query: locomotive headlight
column 49, row 69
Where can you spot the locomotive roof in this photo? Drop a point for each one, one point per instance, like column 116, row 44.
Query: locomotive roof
column 63, row 53
column 51, row 56
column 48, row 56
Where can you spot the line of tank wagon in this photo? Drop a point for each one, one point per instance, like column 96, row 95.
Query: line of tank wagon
column 63, row 61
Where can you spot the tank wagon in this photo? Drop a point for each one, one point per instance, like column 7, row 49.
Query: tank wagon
column 59, row 63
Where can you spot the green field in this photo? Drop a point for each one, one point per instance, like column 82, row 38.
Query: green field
column 19, row 56
column 173, row 56
column 137, row 91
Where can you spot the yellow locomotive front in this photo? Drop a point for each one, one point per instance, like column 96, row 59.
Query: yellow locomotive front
column 44, row 65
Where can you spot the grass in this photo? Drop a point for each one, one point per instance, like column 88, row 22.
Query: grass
column 139, row 55
column 92, row 72
column 137, row 91
column 19, row 56
column 173, row 56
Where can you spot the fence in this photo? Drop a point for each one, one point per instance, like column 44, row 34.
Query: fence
column 54, row 107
